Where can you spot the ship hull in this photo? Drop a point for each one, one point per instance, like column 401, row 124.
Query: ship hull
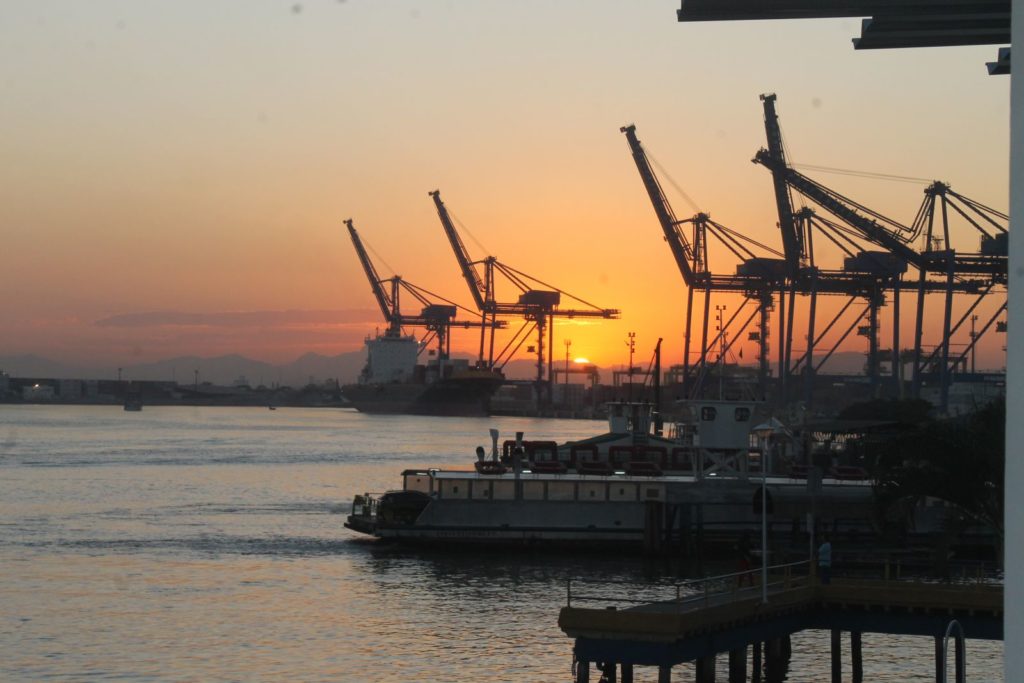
column 469, row 398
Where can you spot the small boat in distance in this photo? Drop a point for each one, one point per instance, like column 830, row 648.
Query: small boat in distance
column 133, row 402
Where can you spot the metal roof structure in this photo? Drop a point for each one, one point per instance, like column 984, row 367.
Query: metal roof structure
column 887, row 23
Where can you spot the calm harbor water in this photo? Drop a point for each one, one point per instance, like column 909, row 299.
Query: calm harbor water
column 206, row 544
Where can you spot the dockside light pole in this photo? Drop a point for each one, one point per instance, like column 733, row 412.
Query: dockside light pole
column 764, row 432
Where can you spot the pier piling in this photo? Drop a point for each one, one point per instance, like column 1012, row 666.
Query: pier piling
column 837, row 656
column 738, row 665
column 776, row 659
column 856, row 657
column 705, row 670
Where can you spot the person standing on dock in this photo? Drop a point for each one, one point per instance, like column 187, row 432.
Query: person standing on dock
column 825, row 561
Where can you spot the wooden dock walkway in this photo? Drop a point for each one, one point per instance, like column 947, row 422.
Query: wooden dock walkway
column 713, row 616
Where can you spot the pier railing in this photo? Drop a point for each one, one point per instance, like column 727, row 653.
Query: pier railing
column 689, row 594
column 747, row 585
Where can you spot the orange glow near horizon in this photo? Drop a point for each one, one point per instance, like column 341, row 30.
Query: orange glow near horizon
column 190, row 184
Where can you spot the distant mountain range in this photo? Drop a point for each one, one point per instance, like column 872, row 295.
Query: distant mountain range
column 225, row 370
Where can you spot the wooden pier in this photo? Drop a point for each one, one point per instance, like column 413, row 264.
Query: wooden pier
column 726, row 614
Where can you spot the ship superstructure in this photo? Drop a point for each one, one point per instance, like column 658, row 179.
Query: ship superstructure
column 393, row 380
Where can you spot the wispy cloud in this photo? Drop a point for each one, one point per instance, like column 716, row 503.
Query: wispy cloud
column 257, row 319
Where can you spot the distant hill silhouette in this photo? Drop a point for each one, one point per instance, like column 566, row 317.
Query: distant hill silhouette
column 344, row 367
column 218, row 370
column 31, row 365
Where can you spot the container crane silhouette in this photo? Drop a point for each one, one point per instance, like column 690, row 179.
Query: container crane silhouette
column 943, row 271
column 436, row 318
column 538, row 307
column 865, row 275
column 757, row 277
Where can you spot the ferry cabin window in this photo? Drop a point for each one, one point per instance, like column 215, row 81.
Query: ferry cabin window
column 743, row 414
column 454, row 489
column 506, row 490
column 532, row 490
column 590, row 491
column 708, row 414
column 622, row 492
column 652, row 493
column 417, row 482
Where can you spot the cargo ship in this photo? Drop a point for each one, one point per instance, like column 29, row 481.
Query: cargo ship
column 393, row 382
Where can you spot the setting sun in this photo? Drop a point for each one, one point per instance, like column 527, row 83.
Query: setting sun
column 581, row 361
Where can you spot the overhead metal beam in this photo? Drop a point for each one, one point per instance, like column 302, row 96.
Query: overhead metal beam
column 915, row 31
column 889, row 23
column 738, row 10
column 1000, row 67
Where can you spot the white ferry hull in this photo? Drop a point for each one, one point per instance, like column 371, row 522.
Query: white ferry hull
column 716, row 509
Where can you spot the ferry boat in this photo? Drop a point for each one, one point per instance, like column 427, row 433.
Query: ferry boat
column 630, row 485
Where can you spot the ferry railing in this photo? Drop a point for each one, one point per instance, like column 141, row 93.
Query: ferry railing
column 365, row 505
column 682, row 595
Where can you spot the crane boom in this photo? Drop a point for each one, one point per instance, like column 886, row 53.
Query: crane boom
column 384, row 300
column 785, row 177
column 469, row 272
column 841, row 207
column 792, row 244
column 681, row 249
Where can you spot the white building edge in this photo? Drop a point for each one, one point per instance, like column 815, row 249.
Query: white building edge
column 1013, row 605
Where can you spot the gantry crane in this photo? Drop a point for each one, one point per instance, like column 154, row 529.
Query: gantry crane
column 939, row 270
column 538, row 307
column 757, row 278
column 865, row 275
column 436, row 318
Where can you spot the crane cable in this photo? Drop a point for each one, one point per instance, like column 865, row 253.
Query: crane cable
column 865, row 174
column 380, row 259
column 466, row 231
column 850, row 172
column 789, row 162
column 665, row 174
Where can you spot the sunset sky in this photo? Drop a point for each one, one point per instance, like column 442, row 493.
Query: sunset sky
column 176, row 174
